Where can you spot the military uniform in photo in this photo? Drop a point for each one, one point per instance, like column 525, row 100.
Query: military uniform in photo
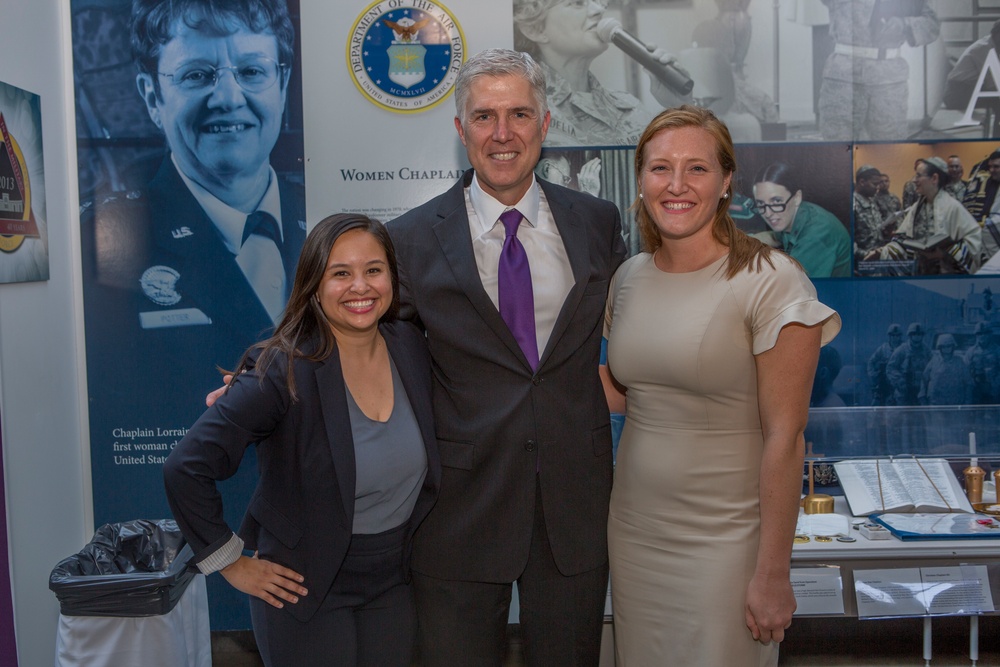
column 864, row 90
column 166, row 305
column 867, row 223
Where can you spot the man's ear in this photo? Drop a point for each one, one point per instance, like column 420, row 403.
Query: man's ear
column 147, row 91
column 461, row 130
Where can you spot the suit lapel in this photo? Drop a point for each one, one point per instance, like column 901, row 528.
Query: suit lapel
column 575, row 241
column 336, row 417
column 185, row 236
column 455, row 239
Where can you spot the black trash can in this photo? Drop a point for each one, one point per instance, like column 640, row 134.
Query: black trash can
column 118, row 599
column 135, row 568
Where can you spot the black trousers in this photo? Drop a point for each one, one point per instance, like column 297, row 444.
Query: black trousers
column 367, row 619
column 464, row 623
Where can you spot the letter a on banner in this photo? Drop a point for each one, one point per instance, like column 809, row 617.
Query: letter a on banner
column 991, row 67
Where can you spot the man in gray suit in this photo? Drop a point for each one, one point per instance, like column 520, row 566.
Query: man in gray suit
column 522, row 423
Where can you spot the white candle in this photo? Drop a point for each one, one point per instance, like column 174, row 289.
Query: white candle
column 927, row 640
column 972, row 449
column 974, row 639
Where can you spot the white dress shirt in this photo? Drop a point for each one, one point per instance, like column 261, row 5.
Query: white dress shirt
column 551, row 274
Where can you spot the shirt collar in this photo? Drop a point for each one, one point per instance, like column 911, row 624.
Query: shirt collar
column 228, row 220
column 488, row 209
column 790, row 236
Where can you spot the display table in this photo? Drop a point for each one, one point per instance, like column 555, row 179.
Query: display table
column 865, row 554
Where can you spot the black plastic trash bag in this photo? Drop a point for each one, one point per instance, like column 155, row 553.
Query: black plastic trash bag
column 135, row 568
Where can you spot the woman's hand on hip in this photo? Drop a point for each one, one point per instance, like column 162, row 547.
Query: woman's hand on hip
column 272, row 583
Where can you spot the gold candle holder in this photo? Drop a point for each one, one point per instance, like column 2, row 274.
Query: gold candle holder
column 996, row 484
column 816, row 503
column 974, row 476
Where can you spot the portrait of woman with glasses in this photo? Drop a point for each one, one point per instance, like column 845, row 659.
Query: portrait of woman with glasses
column 189, row 248
column 807, row 232
column 562, row 35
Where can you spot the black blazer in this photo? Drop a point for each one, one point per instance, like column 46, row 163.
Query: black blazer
column 302, row 511
column 497, row 421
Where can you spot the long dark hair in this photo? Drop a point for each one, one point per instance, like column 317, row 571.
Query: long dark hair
column 304, row 318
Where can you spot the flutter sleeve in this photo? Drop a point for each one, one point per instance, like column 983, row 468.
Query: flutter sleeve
column 782, row 296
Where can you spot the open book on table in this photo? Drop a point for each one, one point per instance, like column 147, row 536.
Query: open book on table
column 901, row 485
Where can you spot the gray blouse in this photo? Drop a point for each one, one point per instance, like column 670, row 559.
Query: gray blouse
column 391, row 463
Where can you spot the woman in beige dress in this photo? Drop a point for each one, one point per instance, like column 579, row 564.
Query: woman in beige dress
column 713, row 341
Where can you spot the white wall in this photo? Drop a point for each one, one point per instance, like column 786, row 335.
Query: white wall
column 42, row 380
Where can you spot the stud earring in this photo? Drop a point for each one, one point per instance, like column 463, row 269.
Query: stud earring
column 725, row 195
column 640, row 195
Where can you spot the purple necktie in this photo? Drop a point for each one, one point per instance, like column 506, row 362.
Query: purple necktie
column 517, row 303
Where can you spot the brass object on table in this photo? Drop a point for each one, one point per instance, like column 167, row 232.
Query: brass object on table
column 816, row 503
column 987, row 508
column 974, row 476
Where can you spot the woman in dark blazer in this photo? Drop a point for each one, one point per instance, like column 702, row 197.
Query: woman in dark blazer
column 338, row 403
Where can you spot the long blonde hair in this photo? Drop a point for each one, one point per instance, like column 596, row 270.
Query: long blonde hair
column 744, row 251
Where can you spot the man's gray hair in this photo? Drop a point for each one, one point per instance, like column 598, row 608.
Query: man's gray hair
column 496, row 63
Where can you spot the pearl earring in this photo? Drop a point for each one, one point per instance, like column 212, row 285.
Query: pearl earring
column 640, row 195
column 725, row 195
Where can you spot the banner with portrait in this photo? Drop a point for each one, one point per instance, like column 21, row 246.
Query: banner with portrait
column 354, row 111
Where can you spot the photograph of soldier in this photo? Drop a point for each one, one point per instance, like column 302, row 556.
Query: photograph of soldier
column 882, row 390
column 980, row 199
column 978, row 192
column 946, row 378
column 563, row 37
column 864, row 90
column 184, row 270
column 729, row 33
column 868, row 216
column 956, row 186
column 983, row 360
column 892, row 401
column 888, row 203
column 910, row 195
column 946, row 383
column 905, row 371
column 937, row 234
column 602, row 98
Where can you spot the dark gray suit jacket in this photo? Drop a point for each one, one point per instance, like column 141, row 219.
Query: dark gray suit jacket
column 497, row 421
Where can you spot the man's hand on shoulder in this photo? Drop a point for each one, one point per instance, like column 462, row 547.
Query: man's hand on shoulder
column 214, row 396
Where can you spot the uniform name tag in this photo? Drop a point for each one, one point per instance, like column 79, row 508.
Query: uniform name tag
column 180, row 317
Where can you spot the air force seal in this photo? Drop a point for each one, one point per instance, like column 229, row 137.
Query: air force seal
column 159, row 284
column 404, row 55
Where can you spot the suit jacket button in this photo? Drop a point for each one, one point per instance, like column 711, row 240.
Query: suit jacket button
column 529, row 446
column 536, row 380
